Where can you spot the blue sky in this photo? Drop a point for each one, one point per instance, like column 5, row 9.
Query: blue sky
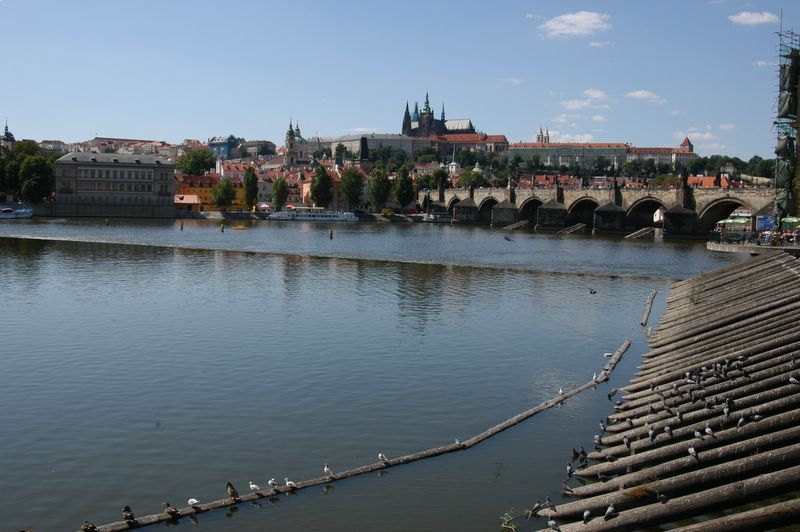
column 647, row 73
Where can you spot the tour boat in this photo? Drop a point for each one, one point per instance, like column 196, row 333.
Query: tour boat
column 313, row 214
column 10, row 213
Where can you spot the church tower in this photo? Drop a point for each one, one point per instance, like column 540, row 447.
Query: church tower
column 290, row 156
column 443, row 120
column 406, row 122
column 540, row 135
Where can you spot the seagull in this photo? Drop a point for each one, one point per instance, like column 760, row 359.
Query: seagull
column 289, row 484
column 127, row 515
column 254, row 487
column 272, row 483
column 88, row 527
column 457, row 441
column 594, row 376
column 192, row 502
column 592, row 291
column 693, row 453
column 382, row 457
column 570, row 471
column 587, row 516
column 561, row 391
column 609, row 512
column 327, row 470
column 171, row 510
column 741, row 423
column 698, row 435
column 232, row 493
column 553, row 525
column 608, row 354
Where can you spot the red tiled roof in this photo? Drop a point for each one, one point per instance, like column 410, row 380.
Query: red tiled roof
column 667, row 151
column 618, row 145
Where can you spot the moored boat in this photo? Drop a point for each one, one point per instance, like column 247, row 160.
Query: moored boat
column 313, row 214
column 12, row 213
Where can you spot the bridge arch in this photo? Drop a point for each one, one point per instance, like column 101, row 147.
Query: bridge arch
column 718, row 210
column 529, row 210
column 582, row 211
column 452, row 203
column 640, row 213
column 485, row 209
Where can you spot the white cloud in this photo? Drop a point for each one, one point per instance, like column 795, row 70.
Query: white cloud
column 674, row 112
column 598, row 44
column 576, row 104
column 556, row 136
column 749, row 18
column 765, row 63
column 511, row 82
column 568, row 120
column 695, row 136
column 577, row 24
column 727, row 127
column 595, row 94
column 647, row 96
column 598, row 118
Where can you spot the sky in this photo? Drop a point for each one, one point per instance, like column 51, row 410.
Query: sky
column 644, row 73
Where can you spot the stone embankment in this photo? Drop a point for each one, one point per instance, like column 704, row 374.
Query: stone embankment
column 710, row 425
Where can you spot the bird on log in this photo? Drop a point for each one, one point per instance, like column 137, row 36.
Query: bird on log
column 232, row 493
column 289, row 484
column 171, row 510
column 127, row 516
column 88, row 527
column 254, row 486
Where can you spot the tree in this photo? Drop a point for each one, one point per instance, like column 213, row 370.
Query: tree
column 195, row 162
column 352, row 183
column 322, row 153
column 600, row 165
column 697, row 166
column 250, row 183
column 426, row 155
column 280, row 193
column 379, row 186
column 35, row 174
column 12, row 176
column 321, row 187
column 403, row 189
column 440, row 178
column 224, row 193
column 340, row 152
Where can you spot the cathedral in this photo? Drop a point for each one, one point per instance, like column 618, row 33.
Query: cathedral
column 423, row 124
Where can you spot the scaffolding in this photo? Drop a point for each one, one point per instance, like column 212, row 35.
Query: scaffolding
column 786, row 123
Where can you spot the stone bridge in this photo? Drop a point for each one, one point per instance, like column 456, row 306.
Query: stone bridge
column 686, row 211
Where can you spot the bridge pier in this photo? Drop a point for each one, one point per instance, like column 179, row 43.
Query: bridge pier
column 609, row 218
column 679, row 222
column 551, row 215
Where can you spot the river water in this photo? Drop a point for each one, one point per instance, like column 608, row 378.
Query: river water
column 142, row 363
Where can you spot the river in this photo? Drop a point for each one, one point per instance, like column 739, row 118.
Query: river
column 144, row 363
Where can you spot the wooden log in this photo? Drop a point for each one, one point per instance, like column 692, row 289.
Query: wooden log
column 713, row 448
column 647, row 307
column 765, row 518
column 632, row 496
column 699, row 503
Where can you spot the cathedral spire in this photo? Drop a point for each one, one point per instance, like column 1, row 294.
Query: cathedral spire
column 443, row 112
column 427, row 107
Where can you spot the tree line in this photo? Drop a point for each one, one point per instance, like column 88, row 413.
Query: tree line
column 26, row 171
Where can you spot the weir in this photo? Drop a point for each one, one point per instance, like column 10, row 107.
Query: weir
column 709, row 423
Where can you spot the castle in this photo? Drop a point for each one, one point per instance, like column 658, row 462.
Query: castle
column 423, row 124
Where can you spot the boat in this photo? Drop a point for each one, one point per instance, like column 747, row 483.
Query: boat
column 11, row 213
column 313, row 214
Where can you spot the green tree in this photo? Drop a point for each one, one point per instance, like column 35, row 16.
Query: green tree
column 195, row 162
column 379, row 186
column 426, row 155
column 12, row 176
column 23, row 148
column 403, row 189
column 224, row 193
column 280, row 193
column 35, row 174
column 250, row 183
column 322, row 153
column 352, row 183
column 321, row 187
column 600, row 165
column 697, row 166
column 340, row 152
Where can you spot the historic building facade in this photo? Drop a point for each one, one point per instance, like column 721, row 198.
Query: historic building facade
column 85, row 179
column 423, row 124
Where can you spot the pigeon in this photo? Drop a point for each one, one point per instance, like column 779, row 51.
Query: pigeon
column 553, row 525
column 582, row 453
column 127, row 515
column 662, row 498
column 565, row 487
column 626, row 441
column 668, row 431
column 794, row 380
column 587, row 516
column 609, row 512
column 602, row 477
column 232, row 493
column 698, row 435
column 570, row 471
column 171, row 510
column 574, row 454
column 611, row 458
column 709, row 431
column 254, row 487
column 88, row 527
column 652, row 433
column 549, row 504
